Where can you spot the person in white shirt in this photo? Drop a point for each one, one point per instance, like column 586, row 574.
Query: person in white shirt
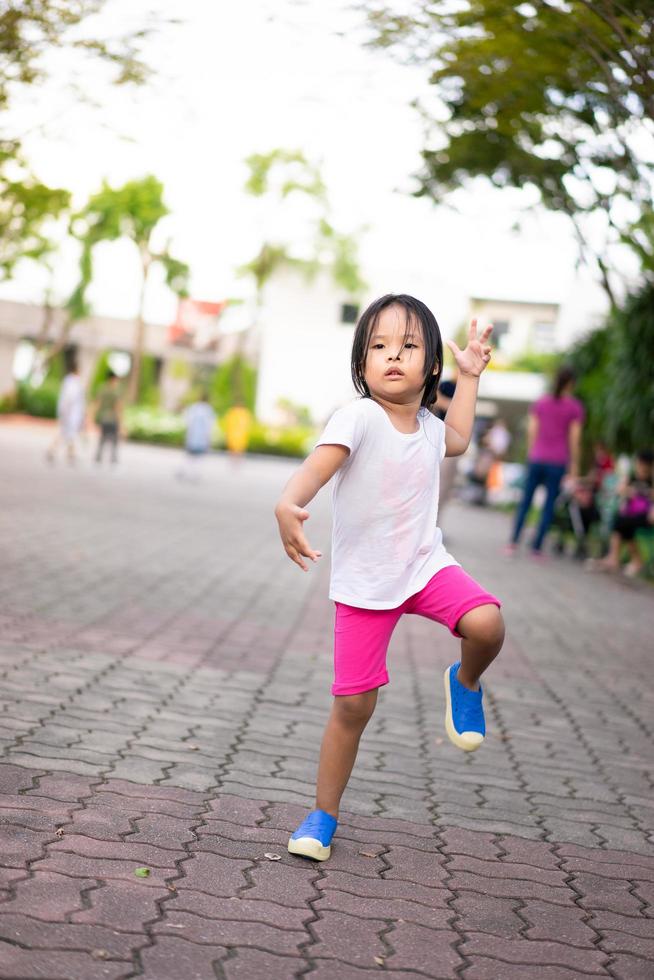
column 498, row 439
column 388, row 557
column 71, row 413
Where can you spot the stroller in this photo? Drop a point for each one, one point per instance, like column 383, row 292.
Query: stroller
column 575, row 513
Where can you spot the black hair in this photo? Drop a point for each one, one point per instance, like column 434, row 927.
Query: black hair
column 563, row 378
column 447, row 389
column 645, row 456
column 414, row 311
column 111, row 375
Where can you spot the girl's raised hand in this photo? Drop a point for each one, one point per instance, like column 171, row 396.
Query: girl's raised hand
column 476, row 355
column 290, row 518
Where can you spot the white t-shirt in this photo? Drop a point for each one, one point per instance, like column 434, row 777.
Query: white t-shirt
column 71, row 405
column 386, row 545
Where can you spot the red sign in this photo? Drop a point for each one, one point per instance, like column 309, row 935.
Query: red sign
column 196, row 324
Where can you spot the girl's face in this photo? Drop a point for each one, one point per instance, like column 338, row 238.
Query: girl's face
column 395, row 360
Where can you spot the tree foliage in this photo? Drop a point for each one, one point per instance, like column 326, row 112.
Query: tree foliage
column 280, row 173
column 27, row 208
column 132, row 211
column 30, row 29
column 293, row 170
column 234, row 381
column 552, row 94
column 616, row 375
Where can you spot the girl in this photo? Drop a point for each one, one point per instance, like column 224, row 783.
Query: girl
column 388, row 556
column 635, row 513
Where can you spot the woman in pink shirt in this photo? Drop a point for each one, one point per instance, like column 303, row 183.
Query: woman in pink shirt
column 553, row 440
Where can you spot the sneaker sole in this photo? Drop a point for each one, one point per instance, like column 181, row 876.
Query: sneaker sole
column 468, row 741
column 309, row 847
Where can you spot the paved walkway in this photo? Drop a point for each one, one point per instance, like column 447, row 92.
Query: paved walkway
column 165, row 674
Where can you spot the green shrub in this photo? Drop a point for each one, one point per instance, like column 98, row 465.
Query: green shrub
column 100, row 373
column 295, row 442
column 614, row 375
column 233, row 381
column 41, row 401
column 9, row 402
column 154, row 425
column 148, row 393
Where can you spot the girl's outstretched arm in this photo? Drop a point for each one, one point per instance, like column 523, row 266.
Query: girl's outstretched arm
column 314, row 473
column 461, row 413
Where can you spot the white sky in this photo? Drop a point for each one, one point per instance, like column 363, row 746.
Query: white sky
column 238, row 78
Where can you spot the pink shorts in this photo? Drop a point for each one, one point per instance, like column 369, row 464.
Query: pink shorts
column 361, row 636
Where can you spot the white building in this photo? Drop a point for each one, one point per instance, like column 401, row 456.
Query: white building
column 519, row 327
column 21, row 325
column 306, row 331
column 306, row 339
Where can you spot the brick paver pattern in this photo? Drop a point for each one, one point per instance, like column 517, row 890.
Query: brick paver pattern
column 165, row 677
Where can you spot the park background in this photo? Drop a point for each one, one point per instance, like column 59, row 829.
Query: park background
column 206, row 201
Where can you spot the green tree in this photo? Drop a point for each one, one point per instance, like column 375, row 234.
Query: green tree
column 27, row 207
column 30, row 30
column 132, row 211
column 616, row 377
column 276, row 175
column 552, row 94
column 234, row 379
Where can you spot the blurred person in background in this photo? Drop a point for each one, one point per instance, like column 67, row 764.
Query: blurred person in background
column 200, row 419
column 238, row 423
column 603, row 465
column 71, row 412
column 498, row 439
column 553, row 443
column 635, row 512
column 108, row 415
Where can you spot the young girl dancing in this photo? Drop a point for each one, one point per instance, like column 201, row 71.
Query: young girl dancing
column 388, row 556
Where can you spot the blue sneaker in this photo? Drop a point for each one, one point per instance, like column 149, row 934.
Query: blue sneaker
column 464, row 714
column 313, row 837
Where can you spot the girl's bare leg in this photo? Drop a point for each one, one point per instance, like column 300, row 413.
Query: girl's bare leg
column 482, row 630
column 349, row 716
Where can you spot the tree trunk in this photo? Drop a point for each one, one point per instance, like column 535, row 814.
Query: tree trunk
column 139, row 333
column 60, row 343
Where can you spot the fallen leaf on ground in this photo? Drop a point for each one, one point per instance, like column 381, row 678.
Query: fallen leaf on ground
column 194, row 748
column 171, row 888
column 272, row 857
column 99, row 954
column 141, row 872
column 379, row 960
column 368, row 854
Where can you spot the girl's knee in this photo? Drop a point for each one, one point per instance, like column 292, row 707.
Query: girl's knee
column 355, row 709
column 485, row 624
